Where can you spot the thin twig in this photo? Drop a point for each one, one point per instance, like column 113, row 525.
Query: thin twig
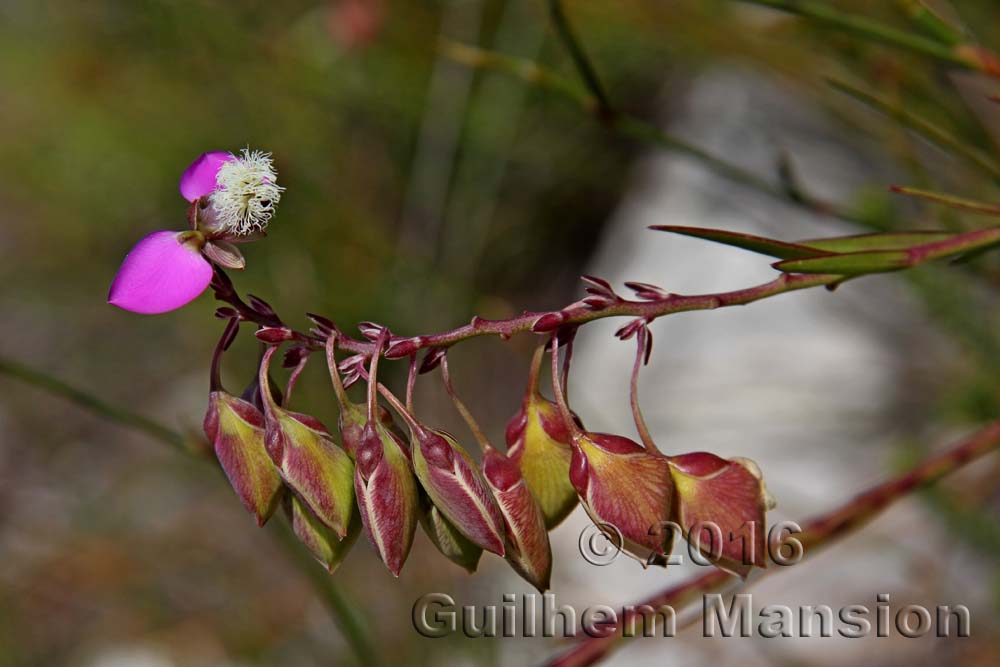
column 966, row 56
column 817, row 533
column 341, row 608
column 88, row 401
column 632, row 127
column 583, row 65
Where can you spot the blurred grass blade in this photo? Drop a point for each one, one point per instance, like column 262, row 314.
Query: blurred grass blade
column 949, row 200
column 930, row 131
column 959, row 54
column 759, row 244
column 930, row 22
column 873, row 242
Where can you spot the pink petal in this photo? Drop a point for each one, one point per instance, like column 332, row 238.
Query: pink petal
column 160, row 274
column 199, row 179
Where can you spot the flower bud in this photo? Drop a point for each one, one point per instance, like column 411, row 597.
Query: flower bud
column 236, row 430
column 730, row 495
column 538, row 442
column 318, row 538
column 622, row 484
column 457, row 488
column 319, row 472
column 351, row 424
column 387, row 494
column 528, row 550
column 449, row 540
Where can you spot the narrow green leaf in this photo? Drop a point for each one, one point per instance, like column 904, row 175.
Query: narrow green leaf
column 873, row 242
column 759, row 244
column 849, row 264
column 949, row 200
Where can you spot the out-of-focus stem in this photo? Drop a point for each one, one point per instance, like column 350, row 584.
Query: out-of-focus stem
column 579, row 56
column 949, row 200
column 341, row 608
column 929, row 21
column 961, row 55
column 818, row 532
column 630, row 126
column 90, row 402
column 923, row 127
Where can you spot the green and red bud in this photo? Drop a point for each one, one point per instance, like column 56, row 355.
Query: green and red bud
column 317, row 537
column 387, row 494
column 452, row 544
column 311, row 464
column 457, row 488
column 720, row 505
column 353, row 416
column 539, row 443
column 528, row 549
column 235, row 428
column 624, row 485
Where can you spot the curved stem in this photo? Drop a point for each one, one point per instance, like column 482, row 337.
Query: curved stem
column 411, row 422
column 477, row 432
column 411, row 381
column 534, row 374
column 331, row 362
column 383, row 336
column 228, row 334
column 267, row 398
column 557, row 389
column 294, row 378
column 640, row 422
column 564, row 377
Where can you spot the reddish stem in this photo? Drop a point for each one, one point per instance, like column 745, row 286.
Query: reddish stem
column 383, row 336
column 331, row 362
column 817, row 532
column 557, row 389
column 640, row 422
column 477, row 432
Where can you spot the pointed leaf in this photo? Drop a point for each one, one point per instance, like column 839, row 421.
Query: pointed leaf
column 758, row 244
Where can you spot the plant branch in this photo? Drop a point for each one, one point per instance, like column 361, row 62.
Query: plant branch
column 580, row 59
column 341, row 609
column 632, row 127
column 99, row 407
column 817, row 533
column 925, row 128
column 966, row 56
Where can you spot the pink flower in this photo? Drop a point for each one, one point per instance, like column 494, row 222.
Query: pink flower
column 164, row 271
column 232, row 200
column 200, row 178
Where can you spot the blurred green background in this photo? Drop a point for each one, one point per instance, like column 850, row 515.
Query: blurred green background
column 419, row 192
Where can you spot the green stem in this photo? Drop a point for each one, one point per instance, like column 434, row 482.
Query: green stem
column 921, row 126
column 861, row 26
column 632, row 127
column 342, row 609
column 930, row 22
column 579, row 56
column 88, row 401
